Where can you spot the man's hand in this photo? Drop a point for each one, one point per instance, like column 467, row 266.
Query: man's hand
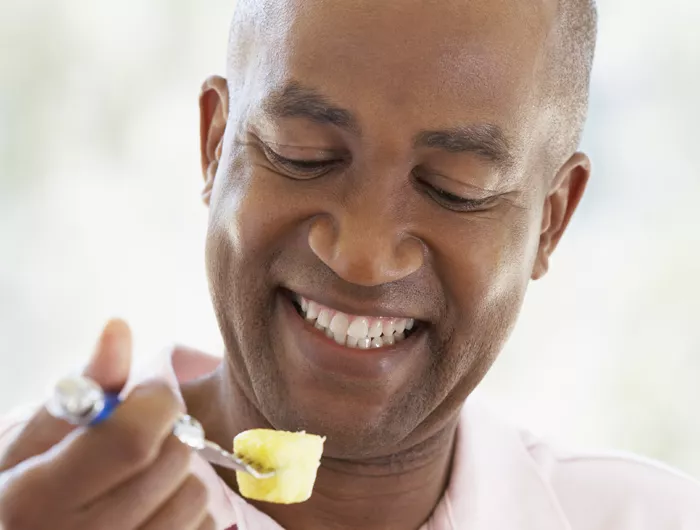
column 127, row 473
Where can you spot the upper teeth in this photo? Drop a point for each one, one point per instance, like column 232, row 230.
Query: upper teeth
column 355, row 331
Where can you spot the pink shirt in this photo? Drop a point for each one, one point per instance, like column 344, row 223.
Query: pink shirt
column 503, row 478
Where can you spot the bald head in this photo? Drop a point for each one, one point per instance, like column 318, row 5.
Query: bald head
column 568, row 52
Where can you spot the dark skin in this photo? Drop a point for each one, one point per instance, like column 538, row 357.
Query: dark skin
column 420, row 186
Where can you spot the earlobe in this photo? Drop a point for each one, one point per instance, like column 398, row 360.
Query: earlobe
column 213, row 112
column 540, row 269
column 541, row 265
column 561, row 202
column 209, row 178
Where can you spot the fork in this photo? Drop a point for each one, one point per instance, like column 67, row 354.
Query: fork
column 81, row 401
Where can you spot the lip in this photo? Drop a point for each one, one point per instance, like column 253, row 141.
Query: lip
column 376, row 310
column 326, row 355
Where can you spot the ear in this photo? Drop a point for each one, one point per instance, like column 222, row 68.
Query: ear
column 562, row 199
column 213, row 115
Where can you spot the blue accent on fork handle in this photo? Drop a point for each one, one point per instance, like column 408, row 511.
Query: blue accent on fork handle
column 112, row 401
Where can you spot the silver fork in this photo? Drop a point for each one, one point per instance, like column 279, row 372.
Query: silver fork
column 81, row 401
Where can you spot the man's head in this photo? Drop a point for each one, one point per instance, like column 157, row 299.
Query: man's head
column 387, row 159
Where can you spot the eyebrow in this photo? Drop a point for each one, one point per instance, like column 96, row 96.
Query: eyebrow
column 296, row 101
column 487, row 141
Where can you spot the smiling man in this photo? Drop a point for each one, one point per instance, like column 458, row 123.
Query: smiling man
column 384, row 179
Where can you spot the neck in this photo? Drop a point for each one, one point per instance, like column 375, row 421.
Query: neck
column 398, row 492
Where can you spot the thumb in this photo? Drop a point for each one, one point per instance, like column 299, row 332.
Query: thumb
column 110, row 363
column 109, row 366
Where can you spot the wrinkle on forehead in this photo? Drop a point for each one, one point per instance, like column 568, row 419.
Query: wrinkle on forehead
column 403, row 57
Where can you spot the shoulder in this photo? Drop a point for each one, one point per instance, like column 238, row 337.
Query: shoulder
column 616, row 490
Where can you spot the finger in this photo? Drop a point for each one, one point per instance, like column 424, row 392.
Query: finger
column 98, row 459
column 41, row 433
column 110, row 364
column 109, row 367
column 135, row 501
column 187, row 509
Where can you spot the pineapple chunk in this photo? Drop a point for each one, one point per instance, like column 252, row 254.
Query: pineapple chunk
column 295, row 457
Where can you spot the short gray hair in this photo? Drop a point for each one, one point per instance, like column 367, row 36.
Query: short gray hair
column 567, row 85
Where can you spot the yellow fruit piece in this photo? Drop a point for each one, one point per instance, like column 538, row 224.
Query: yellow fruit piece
column 295, row 457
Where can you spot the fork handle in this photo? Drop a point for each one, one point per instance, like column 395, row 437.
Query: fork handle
column 111, row 402
column 81, row 401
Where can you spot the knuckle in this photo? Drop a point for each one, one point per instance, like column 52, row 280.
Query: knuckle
column 163, row 393
column 197, row 494
column 140, row 426
column 157, row 400
column 31, row 438
column 10, row 517
column 167, row 399
column 14, row 519
column 16, row 510
column 133, row 447
column 177, row 454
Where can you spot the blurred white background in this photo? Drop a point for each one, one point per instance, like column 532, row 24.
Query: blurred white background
column 100, row 216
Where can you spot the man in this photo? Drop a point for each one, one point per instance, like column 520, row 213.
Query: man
column 384, row 179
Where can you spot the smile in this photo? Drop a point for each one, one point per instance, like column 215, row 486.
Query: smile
column 354, row 331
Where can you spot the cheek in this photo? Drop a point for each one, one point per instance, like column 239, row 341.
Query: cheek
column 487, row 266
column 242, row 210
column 230, row 245
column 510, row 266
column 244, row 233
column 259, row 215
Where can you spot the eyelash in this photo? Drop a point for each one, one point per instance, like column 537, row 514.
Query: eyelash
column 454, row 202
column 310, row 168
column 316, row 168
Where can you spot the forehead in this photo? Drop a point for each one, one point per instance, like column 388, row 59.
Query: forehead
column 422, row 64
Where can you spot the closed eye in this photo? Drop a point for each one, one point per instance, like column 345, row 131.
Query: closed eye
column 454, row 202
column 301, row 168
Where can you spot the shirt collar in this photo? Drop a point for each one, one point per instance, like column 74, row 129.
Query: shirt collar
column 495, row 484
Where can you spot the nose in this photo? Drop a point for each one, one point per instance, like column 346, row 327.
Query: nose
column 365, row 247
